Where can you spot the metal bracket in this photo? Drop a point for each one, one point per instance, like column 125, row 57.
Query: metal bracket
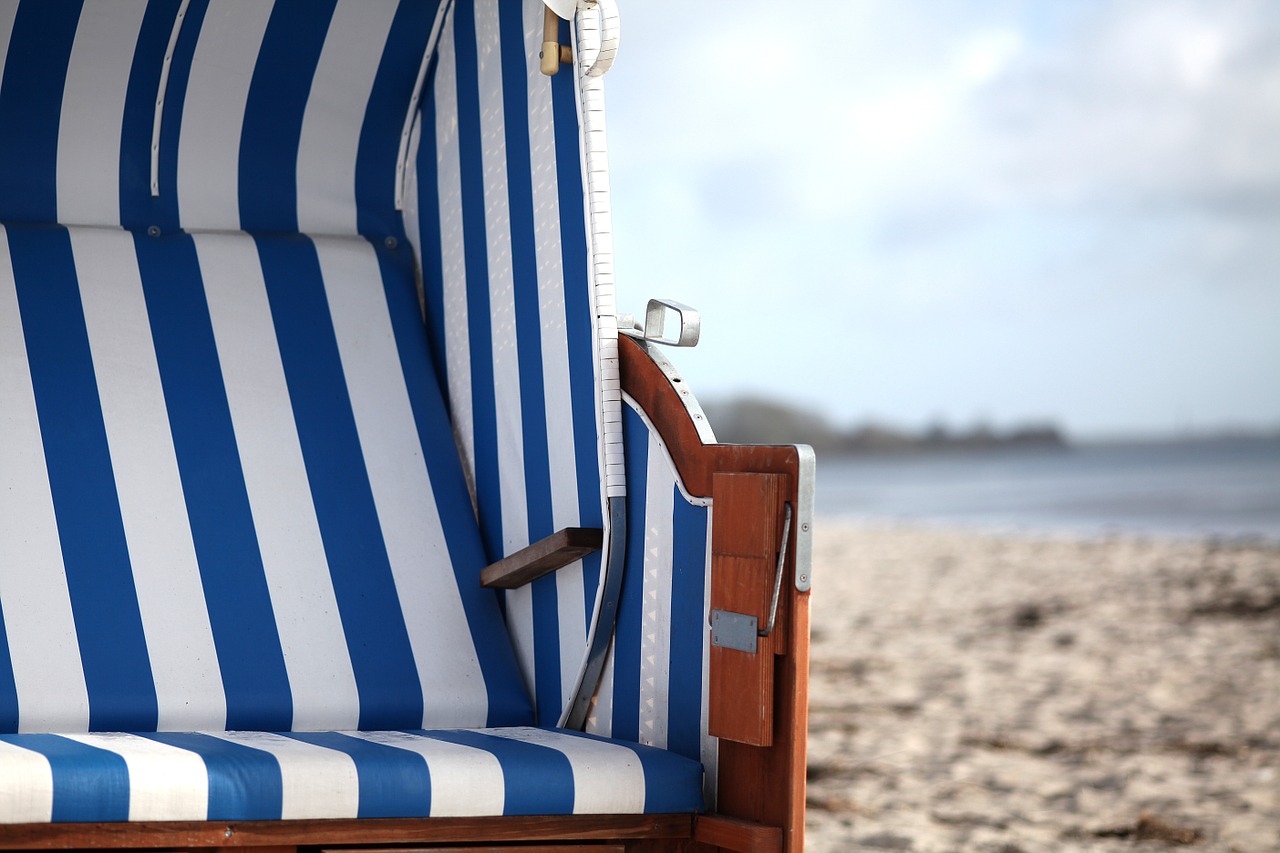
column 731, row 630
column 655, row 322
column 740, row 631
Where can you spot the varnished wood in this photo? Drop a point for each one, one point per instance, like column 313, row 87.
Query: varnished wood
column 744, row 545
column 406, row 831
column 764, row 784
column 542, row 557
column 493, row 848
column 740, row 836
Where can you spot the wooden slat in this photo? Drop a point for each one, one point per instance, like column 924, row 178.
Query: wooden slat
column 542, row 557
column 740, row 836
column 216, row 834
column 744, row 542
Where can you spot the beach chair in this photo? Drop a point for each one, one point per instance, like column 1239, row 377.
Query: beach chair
column 338, row 509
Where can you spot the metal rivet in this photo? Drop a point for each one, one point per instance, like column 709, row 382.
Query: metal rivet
column 153, row 231
column 390, row 242
column 804, row 526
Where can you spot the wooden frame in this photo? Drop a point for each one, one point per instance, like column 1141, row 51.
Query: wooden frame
column 762, row 784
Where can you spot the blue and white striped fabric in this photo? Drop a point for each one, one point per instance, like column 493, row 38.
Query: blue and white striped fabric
column 229, row 496
column 495, row 208
column 654, row 688
column 264, row 776
column 252, row 115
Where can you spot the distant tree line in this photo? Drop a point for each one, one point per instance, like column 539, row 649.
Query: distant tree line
column 755, row 420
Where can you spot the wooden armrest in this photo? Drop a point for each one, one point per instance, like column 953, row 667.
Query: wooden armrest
column 542, row 557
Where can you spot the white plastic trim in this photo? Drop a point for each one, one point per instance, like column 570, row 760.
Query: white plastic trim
column 402, row 158
column 164, row 86
column 594, row 51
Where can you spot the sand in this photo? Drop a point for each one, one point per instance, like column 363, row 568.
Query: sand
column 1019, row 693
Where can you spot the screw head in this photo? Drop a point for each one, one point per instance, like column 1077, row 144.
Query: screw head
column 390, row 242
column 153, row 231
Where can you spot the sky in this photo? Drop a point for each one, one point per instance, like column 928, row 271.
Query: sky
column 995, row 212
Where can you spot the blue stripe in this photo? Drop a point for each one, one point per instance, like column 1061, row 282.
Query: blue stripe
column 533, row 405
column 35, row 74
column 8, row 687
column 537, row 780
column 139, row 112
column 627, row 640
column 577, row 302
column 376, row 215
column 392, row 782
column 508, row 703
column 244, row 783
column 376, row 635
column 163, row 210
column 484, row 416
column 273, row 113
column 688, row 626
column 113, row 649
column 432, row 250
column 89, row 784
column 222, row 528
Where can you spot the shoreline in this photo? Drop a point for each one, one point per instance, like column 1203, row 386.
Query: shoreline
column 1022, row 691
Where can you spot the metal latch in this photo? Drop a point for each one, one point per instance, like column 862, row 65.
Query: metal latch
column 740, row 631
column 654, row 329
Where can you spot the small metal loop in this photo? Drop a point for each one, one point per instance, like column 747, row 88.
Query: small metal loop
column 777, row 579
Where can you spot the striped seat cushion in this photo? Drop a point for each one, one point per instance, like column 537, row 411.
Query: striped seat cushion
column 262, row 776
column 230, row 496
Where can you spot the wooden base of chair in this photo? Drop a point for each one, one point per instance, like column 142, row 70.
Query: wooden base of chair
column 613, row 832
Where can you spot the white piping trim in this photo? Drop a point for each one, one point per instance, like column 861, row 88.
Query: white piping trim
column 402, row 157
column 160, row 94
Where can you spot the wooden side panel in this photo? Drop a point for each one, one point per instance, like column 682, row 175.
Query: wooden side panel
column 761, row 784
column 744, row 545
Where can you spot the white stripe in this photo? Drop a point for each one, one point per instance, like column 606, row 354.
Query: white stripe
column 88, row 170
column 607, row 778
column 412, row 221
column 655, row 622
column 175, row 617
column 502, row 319
column 502, row 305
column 36, row 603
column 334, row 115
column 213, row 113
column 165, row 782
column 317, row 782
column 453, row 683
column 275, row 476
column 556, row 386
column 8, row 12
column 710, row 745
column 465, row 781
column 26, row 785
column 453, row 261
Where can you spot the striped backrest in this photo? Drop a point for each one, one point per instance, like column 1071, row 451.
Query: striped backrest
column 422, row 126
column 495, row 209
column 252, row 115
column 229, row 494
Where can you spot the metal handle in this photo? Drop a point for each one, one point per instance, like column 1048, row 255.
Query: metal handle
column 777, row 579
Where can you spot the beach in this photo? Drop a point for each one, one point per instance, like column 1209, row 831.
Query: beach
column 1015, row 692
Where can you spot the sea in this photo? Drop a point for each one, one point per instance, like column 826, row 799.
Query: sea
column 1223, row 488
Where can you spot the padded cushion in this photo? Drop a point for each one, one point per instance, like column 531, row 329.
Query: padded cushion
column 261, row 776
column 229, row 494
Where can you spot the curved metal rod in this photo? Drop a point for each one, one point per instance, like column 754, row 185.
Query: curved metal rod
column 614, row 569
